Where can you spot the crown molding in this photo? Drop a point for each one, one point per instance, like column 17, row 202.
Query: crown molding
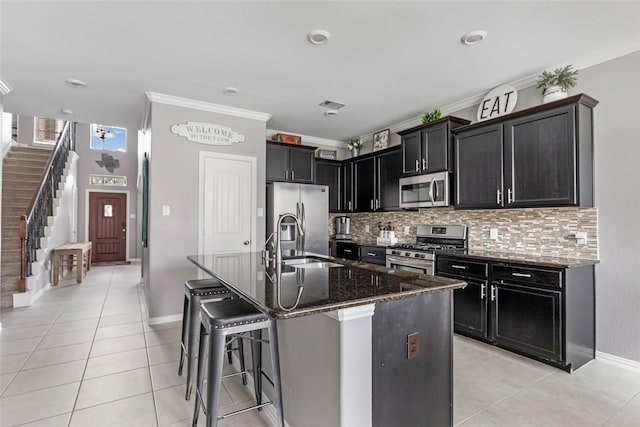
column 206, row 106
column 311, row 140
column 5, row 89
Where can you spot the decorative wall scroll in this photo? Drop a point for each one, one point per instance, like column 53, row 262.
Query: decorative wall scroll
column 207, row 133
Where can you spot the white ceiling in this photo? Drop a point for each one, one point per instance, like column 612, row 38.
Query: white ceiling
column 387, row 61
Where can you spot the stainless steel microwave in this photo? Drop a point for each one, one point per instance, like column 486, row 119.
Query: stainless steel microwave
column 424, row 191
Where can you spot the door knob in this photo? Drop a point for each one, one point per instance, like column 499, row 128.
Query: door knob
column 246, row 242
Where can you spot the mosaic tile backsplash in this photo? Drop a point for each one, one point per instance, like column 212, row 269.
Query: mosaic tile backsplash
column 542, row 232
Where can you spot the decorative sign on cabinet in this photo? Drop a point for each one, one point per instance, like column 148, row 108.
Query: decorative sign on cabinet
column 498, row 102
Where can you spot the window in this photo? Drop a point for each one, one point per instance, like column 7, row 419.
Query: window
column 46, row 131
column 108, row 180
column 108, row 138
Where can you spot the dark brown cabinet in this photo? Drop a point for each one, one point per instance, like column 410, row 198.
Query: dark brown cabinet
column 328, row 173
column 347, row 250
column 373, row 254
column 541, row 312
column 290, row 163
column 346, row 187
column 470, row 303
column 427, row 148
column 542, row 156
column 375, row 183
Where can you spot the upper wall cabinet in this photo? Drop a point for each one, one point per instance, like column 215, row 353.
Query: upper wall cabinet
column 290, row 163
column 542, row 156
column 375, row 181
column 428, row 148
column 328, row 173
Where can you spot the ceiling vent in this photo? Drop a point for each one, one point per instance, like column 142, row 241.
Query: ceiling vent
column 334, row 105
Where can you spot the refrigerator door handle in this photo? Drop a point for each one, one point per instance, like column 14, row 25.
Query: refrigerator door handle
column 303, row 223
column 298, row 243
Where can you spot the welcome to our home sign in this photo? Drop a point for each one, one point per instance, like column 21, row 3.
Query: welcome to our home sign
column 207, row 133
column 498, row 102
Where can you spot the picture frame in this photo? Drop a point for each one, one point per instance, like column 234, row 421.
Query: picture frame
column 327, row 154
column 286, row 138
column 381, row 139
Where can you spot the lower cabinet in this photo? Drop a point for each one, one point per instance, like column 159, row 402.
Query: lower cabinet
column 544, row 313
column 373, row 254
column 347, row 250
column 527, row 319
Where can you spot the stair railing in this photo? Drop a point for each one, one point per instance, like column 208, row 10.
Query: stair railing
column 33, row 223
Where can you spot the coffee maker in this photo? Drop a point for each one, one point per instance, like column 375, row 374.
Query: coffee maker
column 343, row 228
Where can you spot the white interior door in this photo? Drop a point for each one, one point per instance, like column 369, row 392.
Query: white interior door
column 227, row 198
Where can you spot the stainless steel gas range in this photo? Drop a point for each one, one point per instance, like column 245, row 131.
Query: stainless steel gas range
column 418, row 257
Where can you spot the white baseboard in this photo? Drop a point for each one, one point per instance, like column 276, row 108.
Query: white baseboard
column 165, row 319
column 25, row 299
column 618, row 361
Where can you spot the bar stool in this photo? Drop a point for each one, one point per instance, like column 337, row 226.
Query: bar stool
column 194, row 292
column 219, row 321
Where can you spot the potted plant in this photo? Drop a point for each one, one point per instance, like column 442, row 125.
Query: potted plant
column 431, row 116
column 554, row 85
column 354, row 146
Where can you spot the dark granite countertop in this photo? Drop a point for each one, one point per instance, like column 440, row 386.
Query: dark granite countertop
column 533, row 260
column 324, row 289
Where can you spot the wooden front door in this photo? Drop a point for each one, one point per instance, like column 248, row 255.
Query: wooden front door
column 108, row 226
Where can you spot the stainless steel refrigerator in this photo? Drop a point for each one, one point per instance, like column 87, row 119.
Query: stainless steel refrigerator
column 310, row 203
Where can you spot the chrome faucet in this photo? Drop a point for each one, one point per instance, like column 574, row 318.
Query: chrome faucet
column 278, row 231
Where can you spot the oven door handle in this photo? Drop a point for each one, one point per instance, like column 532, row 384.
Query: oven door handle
column 408, row 262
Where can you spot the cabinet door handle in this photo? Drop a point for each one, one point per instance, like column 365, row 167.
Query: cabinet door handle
column 483, row 291
column 424, row 164
column 349, row 204
column 377, row 203
column 521, row 275
column 293, row 175
column 459, row 267
column 493, row 293
column 509, row 196
column 347, row 251
column 286, row 175
column 498, row 196
column 371, row 254
column 371, row 204
column 417, row 165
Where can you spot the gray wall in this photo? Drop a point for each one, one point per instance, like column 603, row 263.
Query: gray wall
column 128, row 167
column 173, row 180
column 617, row 157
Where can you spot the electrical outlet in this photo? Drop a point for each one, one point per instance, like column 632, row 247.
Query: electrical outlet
column 413, row 345
column 581, row 238
column 366, row 228
column 493, row 234
column 406, row 229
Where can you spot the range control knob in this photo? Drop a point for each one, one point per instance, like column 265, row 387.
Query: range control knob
column 419, row 255
column 407, row 254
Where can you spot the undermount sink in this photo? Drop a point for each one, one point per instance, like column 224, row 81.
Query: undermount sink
column 310, row 262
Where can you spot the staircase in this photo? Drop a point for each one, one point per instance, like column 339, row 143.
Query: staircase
column 21, row 174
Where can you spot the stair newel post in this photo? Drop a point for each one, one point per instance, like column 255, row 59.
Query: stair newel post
column 23, row 253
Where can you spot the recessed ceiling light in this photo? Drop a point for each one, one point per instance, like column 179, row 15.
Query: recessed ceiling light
column 318, row 36
column 474, row 37
column 66, row 111
column 76, row 83
column 230, row 90
column 331, row 113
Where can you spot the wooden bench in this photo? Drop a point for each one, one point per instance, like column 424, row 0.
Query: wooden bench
column 82, row 253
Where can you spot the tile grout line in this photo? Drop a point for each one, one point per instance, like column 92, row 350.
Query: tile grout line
column 75, row 402
column 617, row 411
column 153, row 392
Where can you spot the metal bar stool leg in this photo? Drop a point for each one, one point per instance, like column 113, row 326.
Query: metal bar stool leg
column 256, row 360
column 184, row 335
column 275, row 366
column 241, row 356
column 194, row 311
column 216, row 357
column 202, row 353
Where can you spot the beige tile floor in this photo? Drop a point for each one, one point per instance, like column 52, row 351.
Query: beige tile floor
column 84, row 355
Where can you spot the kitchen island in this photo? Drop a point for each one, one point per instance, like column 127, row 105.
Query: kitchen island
column 360, row 344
